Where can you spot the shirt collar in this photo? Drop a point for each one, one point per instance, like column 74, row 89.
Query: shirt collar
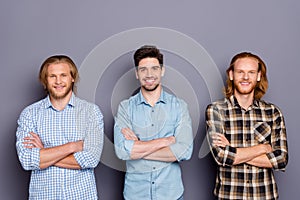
column 71, row 103
column 234, row 102
column 142, row 100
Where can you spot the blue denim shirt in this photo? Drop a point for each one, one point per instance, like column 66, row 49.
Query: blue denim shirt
column 149, row 179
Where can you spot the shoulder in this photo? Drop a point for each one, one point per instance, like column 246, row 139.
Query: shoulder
column 174, row 100
column 86, row 105
column 219, row 104
column 135, row 99
column 265, row 105
column 33, row 109
column 35, row 106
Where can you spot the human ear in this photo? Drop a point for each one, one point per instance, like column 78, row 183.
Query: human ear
column 258, row 76
column 230, row 74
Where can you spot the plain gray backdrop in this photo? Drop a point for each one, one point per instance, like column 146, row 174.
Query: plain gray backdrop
column 32, row 30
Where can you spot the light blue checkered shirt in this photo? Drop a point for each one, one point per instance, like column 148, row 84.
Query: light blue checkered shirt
column 149, row 179
column 80, row 120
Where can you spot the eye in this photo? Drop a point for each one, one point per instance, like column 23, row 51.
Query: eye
column 155, row 68
column 142, row 69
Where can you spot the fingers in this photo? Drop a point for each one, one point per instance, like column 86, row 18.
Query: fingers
column 219, row 140
column 129, row 134
column 33, row 141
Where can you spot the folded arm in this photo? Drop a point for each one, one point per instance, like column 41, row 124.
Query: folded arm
column 157, row 149
column 61, row 156
column 255, row 155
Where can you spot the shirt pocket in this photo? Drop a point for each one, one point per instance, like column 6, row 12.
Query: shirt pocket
column 262, row 132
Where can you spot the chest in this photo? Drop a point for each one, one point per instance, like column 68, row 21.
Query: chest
column 247, row 128
column 56, row 128
column 154, row 122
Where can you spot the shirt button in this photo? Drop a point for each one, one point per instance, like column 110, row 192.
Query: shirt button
column 153, row 167
column 152, row 182
column 152, row 124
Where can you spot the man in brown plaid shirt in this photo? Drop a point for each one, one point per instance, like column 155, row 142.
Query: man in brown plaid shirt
column 247, row 135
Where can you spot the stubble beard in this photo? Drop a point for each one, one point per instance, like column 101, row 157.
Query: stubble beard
column 58, row 96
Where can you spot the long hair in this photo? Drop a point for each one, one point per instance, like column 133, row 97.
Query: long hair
column 56, row 59
column 261, row 86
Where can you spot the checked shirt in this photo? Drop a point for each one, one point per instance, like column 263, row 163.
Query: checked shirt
column 261, row 123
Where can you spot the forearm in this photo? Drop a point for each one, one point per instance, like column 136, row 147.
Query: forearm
column 141, row 149
column 50, row 156
column 260, row 161
column 164, row 154
column 246, row 154
column 68, row 162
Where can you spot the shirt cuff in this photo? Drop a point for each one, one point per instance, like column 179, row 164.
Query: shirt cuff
column 128, row 144
column 35, row 158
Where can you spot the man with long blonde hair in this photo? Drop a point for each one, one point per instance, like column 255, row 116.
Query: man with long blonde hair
column 247, row 135
column 60, row 138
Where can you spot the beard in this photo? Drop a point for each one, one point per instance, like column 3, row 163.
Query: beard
column 150, row 89
column 58, row 96
column 244, row 91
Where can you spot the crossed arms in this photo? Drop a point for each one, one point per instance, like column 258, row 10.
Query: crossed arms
column 254, row 155
column 60, row 156
column 175, row 147
column 267, row 153
column 157, row 149
column 82, row 153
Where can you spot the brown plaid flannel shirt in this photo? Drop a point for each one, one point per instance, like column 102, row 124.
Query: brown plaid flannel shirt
column 261, row 123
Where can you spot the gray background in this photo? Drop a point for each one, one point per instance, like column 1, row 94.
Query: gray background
column 33, row 30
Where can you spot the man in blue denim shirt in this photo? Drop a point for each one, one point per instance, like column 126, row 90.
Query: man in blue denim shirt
column 153, row 133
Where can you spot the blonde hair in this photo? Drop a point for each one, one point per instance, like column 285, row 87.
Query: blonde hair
column 261, row 86
column 55, row 60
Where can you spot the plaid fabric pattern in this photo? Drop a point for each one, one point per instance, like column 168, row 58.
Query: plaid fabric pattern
column 80, row 120
column 261, row 123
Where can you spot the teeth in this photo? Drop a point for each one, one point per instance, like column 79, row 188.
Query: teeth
column 150, row 81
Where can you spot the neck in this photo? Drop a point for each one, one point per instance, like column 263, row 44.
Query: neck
column 245, row 100
column 60, row 103
column 152, row 96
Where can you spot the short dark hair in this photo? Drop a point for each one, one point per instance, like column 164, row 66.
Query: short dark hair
column 147, row 51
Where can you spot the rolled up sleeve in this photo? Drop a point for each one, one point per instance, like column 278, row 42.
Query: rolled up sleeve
column 28, row 157
column 279, row 156
column 183, row 147
column 215, row 124
column 122, row 146
column 93, row 141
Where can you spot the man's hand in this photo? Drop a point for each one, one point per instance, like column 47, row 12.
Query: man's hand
column 33, row 141
column 219, row 140
column 77, row 146
column 129, row 134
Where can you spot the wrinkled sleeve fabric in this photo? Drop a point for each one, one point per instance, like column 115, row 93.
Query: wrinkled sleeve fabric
column 215, row 124
column 183, row 147
column 93, row 141
column 279, row 156
column 29, row 158
column 122, row 146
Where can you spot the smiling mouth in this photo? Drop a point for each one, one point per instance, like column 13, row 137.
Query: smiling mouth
column 150, row 81
column 245, row 83
column 59, row 87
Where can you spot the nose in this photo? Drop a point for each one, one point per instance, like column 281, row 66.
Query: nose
column 57, row 80
column 148, row 72
column 246, row 76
